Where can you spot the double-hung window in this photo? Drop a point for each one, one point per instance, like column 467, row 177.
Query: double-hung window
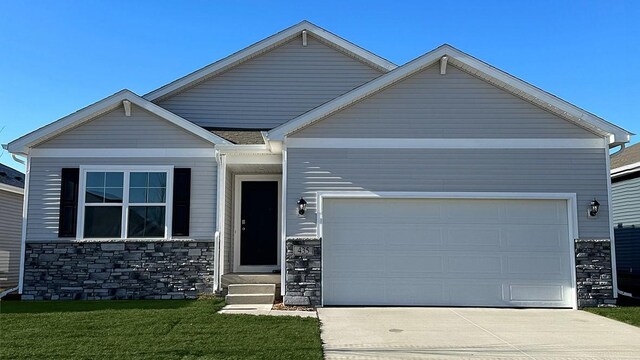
column 119, row 202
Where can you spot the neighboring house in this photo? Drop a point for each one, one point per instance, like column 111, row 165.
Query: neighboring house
column 348, row 179
column 625, row 195
column 11, row 199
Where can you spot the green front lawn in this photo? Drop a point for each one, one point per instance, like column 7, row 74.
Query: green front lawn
column 149, row 329
column 629, row 315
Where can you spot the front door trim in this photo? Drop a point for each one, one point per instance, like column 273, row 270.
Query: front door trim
column 237, row 201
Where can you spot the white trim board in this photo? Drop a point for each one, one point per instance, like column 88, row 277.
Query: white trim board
column 403, row 143
column 237, row 200
column 612, row 248
column 625, row 170
column 265, row 45
column 499, row 78
column 25, row 208
column 90, row 112
column 571, row 198
column 12, row 189
column 123, row 153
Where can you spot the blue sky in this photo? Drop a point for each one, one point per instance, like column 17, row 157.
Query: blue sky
column 59, row 56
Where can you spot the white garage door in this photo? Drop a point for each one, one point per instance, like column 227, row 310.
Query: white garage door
column 456, row 252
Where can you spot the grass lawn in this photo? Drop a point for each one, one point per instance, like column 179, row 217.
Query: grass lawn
column 629, row 315
column 149, row 329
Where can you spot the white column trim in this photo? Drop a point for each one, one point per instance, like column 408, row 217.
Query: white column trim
column 614, row 264
column 23, row 240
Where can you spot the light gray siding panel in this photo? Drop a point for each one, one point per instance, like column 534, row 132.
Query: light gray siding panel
column 455, row 105
column 140, row 130
column 581, row 171
column 44, row 192
column 626, row 202
column 272, row 88
column 10, row 238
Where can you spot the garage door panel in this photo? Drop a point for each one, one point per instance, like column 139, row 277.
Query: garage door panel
column 446, row 252
column 547, row 293
column 486, row 293
column 424, row 263
column 414, row 292
column 473, row 264
column 473, row 236
column 536, row 238
column 549, row 266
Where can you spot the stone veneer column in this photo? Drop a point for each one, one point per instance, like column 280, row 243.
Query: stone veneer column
column 594, row 273
column 303, row 277
column 118, row 270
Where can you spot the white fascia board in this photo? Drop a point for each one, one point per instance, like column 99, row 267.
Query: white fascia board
column 266, row 45
column 625, row 170
column 49, row 131
column 246, row 149
column 11, row 189
column 510, row 84
column 400, row 143
column 124, row 153
column 253, row 159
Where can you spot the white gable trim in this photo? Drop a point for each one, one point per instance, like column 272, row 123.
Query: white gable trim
column 103, row 106
column 499, row 78
column 265, row 45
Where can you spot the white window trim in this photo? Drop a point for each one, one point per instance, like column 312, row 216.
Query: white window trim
column 125, row 201
column 571, row 198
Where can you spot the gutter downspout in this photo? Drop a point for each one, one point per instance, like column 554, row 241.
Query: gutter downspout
column 218, row 251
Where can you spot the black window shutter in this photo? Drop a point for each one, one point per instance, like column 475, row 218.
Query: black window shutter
column 68, row 202
column 181, row 201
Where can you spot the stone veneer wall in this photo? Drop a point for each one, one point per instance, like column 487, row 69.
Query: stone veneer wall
column 594, row 273
column 117, row 270
column 303, row 274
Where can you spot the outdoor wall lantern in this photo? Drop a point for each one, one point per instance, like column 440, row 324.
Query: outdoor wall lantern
column 594, row 206
column 302, row 206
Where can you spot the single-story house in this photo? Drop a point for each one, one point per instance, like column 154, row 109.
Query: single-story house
column 625, row 203
column 347, row 178
column 11, row 199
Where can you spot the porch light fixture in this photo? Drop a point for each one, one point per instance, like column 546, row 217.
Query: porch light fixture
column 302, row 206
column 594, row 206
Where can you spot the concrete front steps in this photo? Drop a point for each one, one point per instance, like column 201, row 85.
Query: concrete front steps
column 246, row 288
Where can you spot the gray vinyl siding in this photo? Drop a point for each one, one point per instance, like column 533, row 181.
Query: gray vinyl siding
column 626, row 202
column 272, row 88
column 581, row 171
column 140, row 130
column 455, row 105
column 44, row 192
column 10, row 238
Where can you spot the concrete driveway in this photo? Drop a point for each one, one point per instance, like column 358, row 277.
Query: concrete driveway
column 465, row 333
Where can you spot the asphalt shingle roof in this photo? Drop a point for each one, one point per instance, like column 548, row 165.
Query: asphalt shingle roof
column 628, row 156
column 240, row 136
column 11, row 177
